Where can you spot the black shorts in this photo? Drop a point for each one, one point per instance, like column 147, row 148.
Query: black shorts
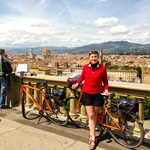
column 92, row 99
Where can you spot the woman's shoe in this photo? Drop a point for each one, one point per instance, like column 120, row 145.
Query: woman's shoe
column 92, row 144
column 90, row 138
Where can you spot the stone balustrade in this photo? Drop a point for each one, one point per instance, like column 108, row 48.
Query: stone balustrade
column 139, row 91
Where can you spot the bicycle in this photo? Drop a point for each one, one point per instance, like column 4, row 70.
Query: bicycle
column 123, row 125
column 121, row 122
column 46, row 106
column 78, row 120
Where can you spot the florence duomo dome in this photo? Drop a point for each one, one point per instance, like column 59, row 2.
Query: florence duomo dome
column 46, row 52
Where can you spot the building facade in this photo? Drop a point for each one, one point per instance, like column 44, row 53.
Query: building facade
column 123, row 75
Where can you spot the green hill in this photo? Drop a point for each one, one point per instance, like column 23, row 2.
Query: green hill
column 117, row 47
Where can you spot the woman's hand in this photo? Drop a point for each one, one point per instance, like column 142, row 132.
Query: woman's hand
column 106, row 92
column 74, row 86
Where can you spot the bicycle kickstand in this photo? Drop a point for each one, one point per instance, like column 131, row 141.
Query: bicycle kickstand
column 41, row 114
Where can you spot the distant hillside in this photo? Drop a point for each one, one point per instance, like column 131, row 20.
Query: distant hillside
column 118, row 47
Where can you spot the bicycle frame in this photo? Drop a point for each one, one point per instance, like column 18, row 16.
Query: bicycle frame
column 78, row 107
column 100, row 119
column 42, row 95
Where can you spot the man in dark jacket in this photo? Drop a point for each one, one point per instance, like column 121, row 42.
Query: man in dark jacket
column 3, row 80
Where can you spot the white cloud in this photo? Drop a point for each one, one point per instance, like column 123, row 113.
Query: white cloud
column 119, row 29
column 105, row 21
column 145, row 36
column 43, row 22
column 147, row 25
column 102, row 32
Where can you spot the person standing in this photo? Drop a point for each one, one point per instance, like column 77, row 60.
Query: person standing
column 95, row 80
column 4, row 81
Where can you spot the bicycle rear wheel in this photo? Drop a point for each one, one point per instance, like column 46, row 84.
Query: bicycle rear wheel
column 59, row 114
column 132, row 134
column 28, row 113
column 78, row 119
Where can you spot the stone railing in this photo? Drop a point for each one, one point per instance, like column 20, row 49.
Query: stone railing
column 139, row 91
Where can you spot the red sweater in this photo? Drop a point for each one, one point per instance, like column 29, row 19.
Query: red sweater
column 95, row 81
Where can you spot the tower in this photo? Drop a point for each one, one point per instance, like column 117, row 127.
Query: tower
column 101, row 56
column 30, row 54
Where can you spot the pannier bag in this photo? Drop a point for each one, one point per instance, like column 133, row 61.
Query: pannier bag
column 130, row 106
column 60, row 95
column 72, row 80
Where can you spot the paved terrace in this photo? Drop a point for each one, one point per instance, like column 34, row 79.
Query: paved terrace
column 139, row 91
column 16, row 133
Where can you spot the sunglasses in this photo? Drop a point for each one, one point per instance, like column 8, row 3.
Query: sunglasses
column 93, row 52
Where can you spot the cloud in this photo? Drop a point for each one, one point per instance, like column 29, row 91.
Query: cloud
column 119, row 29
column 102, row 32
column 101, row 22
column 72, row 23
column 145, row 36
column 40, row 25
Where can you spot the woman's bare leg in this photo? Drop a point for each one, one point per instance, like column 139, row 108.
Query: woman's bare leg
column 92, row 112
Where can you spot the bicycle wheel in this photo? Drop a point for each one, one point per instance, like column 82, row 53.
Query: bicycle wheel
column 59, row 114
column 132, row 134
column 27, row 113
column 78, row 119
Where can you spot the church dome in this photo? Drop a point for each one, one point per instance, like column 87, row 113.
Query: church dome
column 46, row 51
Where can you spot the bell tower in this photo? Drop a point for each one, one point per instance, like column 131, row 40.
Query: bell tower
column 101, row 56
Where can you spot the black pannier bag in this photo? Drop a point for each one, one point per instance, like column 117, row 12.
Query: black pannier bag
column 60, row 95
column 130, row 106
column 72, row 80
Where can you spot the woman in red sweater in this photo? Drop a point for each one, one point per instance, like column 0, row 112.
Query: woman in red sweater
column 95, row 80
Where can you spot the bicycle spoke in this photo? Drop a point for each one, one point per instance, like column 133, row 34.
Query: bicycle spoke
column 59, row 114
column 27, row 113
column 132, row 134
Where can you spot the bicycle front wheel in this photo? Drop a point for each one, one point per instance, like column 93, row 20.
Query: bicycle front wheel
column 27, row 113
column 77, row 118
column 58, row 113
column 132, row 133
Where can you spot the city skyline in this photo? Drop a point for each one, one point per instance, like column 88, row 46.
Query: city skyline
column 73, row 23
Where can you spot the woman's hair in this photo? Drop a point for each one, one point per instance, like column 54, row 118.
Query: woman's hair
column 2, row 51
column 94, row 52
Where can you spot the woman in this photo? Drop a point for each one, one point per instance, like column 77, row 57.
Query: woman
column 95, row 80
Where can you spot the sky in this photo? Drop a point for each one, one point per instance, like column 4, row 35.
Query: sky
column 72, row 23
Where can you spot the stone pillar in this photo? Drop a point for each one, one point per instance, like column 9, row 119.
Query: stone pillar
column 28, row 101
column 36, row 96
column 136, row 130
column 141, row 109
column 13, row 92
column 72, row 105
column 83, row 115
column 148, row 135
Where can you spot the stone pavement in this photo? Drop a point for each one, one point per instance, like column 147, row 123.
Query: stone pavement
column 19, row 133
column 16, row 136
